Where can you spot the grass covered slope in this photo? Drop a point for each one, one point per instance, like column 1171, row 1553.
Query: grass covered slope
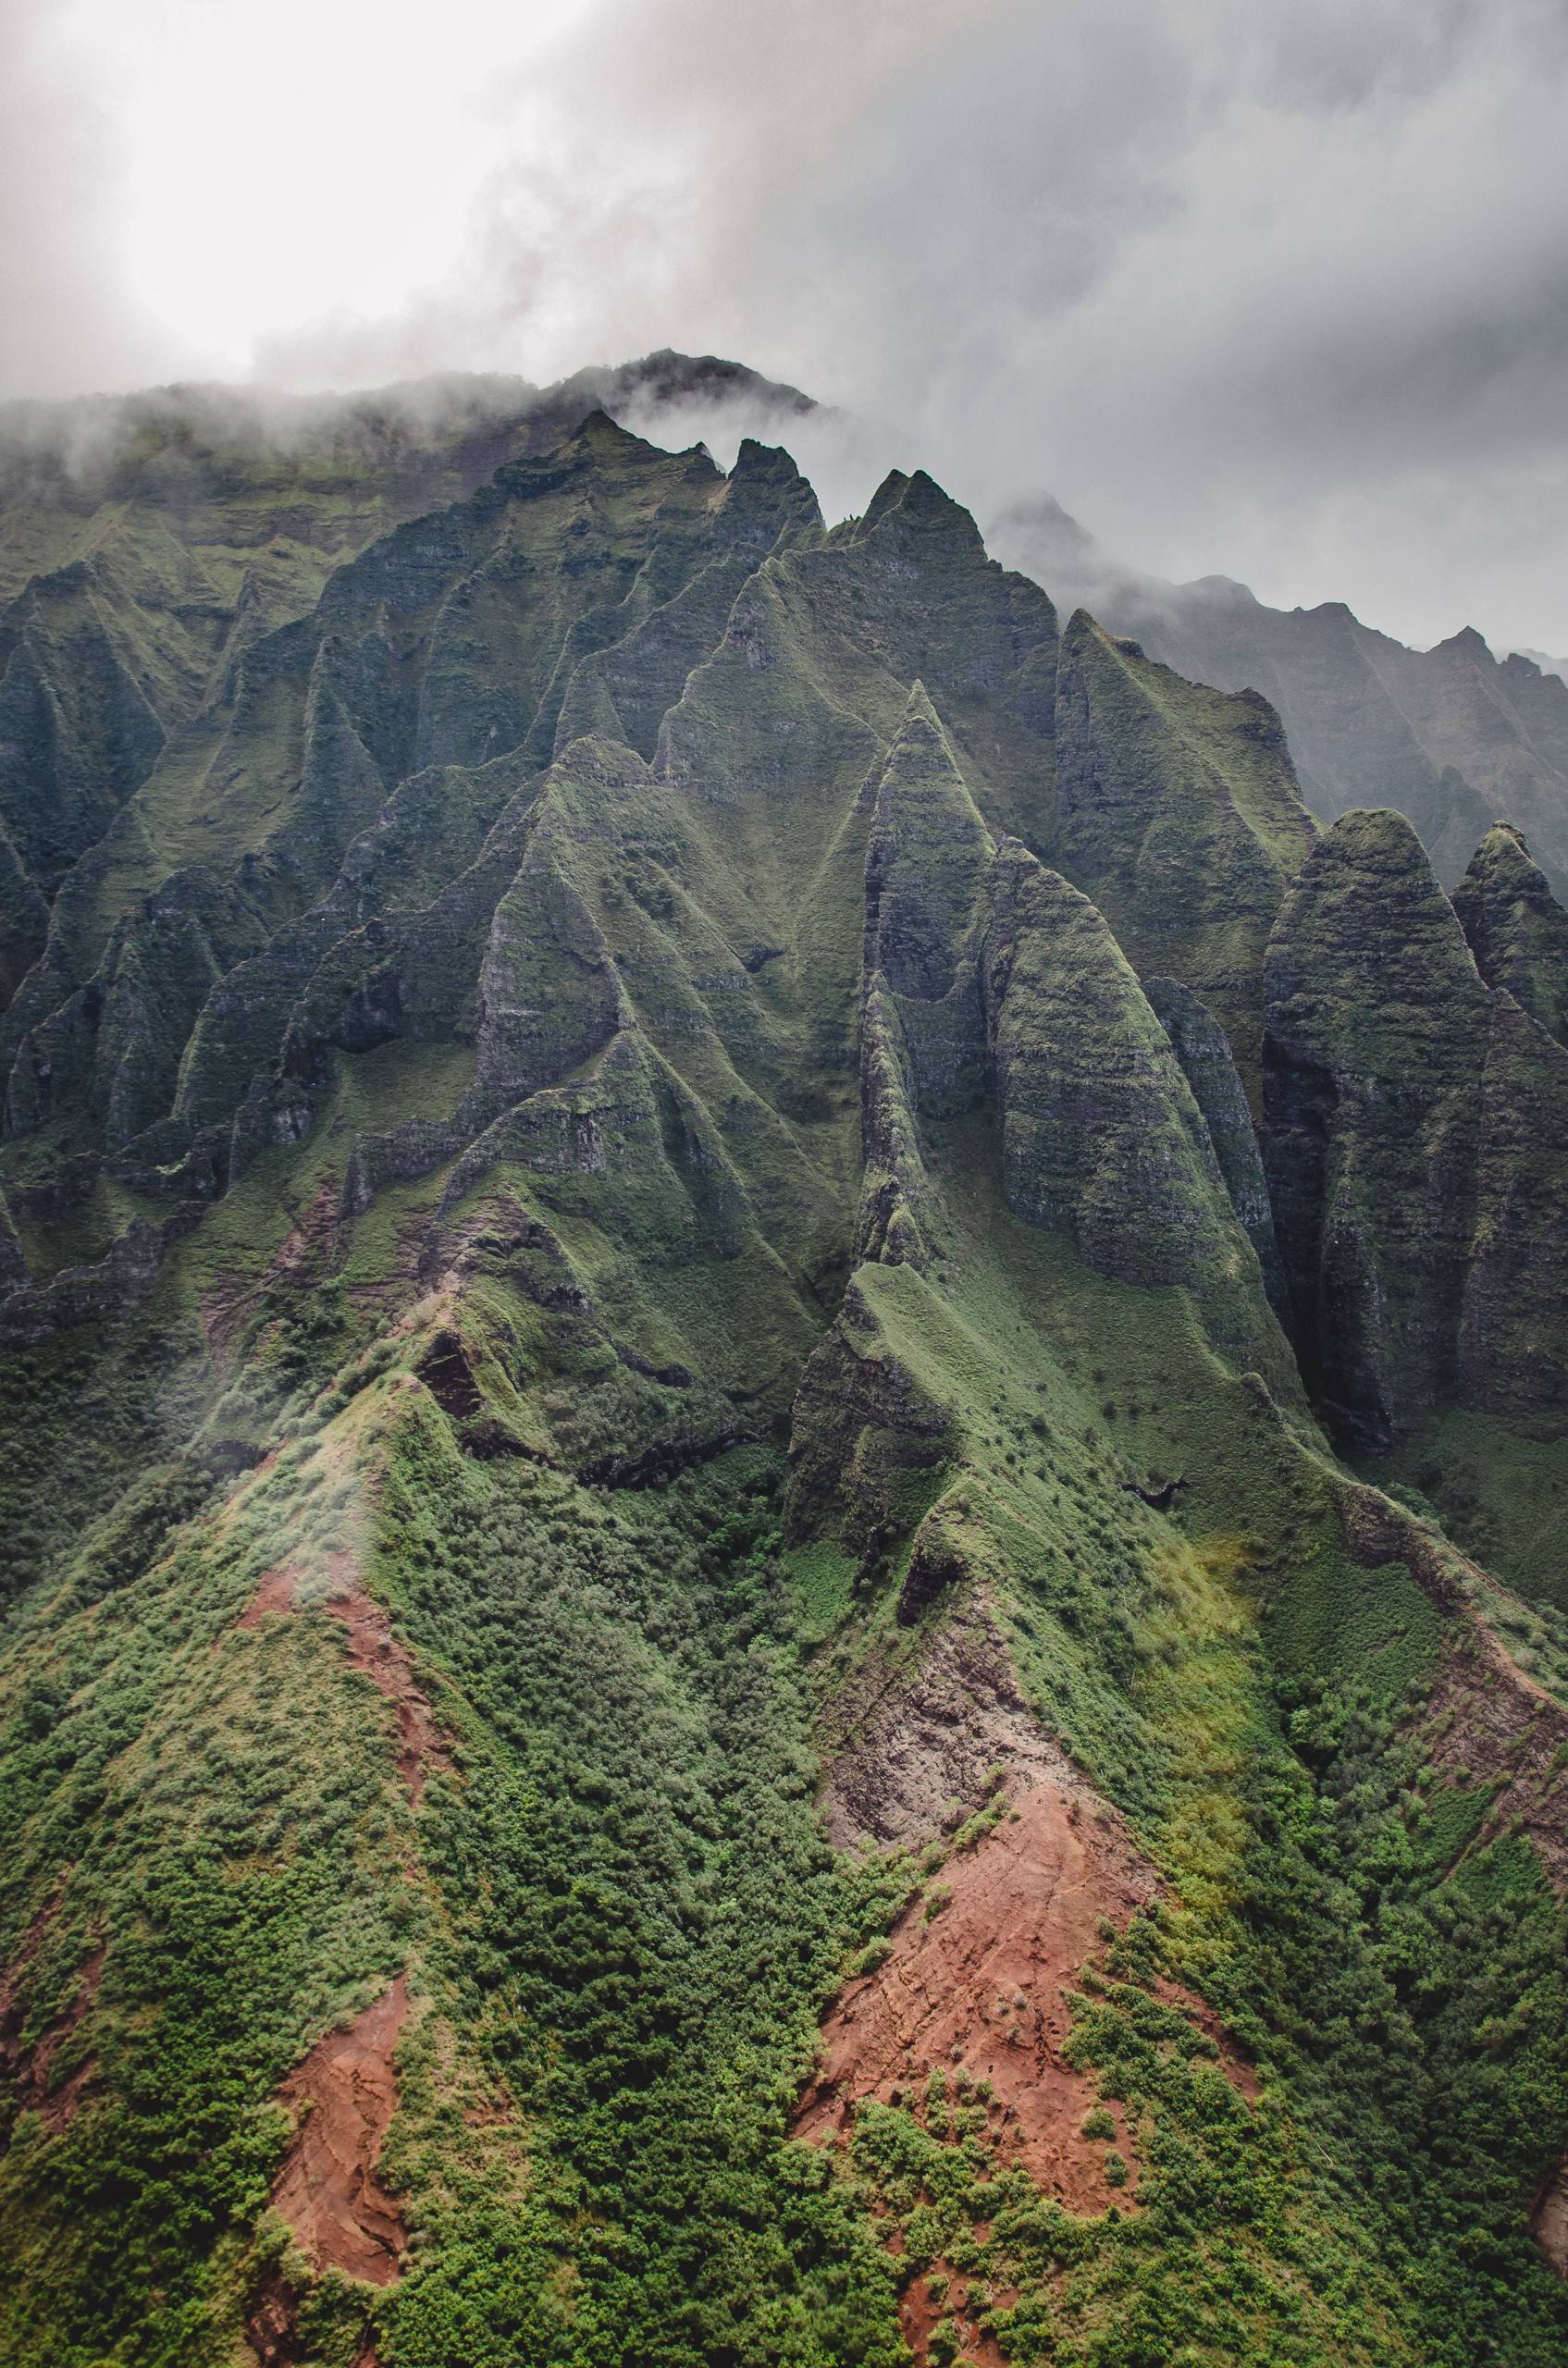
column 684, row 1677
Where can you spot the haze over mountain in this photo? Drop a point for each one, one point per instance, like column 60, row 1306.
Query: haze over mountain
column 785, row 1392
column 1247, row 287
column 1452, row 736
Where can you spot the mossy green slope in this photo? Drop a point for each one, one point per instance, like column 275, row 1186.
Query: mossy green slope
column 1515, row 927
column 599, row 1170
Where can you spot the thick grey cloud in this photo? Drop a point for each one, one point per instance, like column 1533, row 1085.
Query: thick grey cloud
column 65, row 322
column 1253, row 288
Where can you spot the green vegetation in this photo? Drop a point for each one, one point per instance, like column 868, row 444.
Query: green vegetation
column 636, row 1261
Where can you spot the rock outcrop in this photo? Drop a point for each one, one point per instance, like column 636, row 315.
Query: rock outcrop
column 1378, row 1025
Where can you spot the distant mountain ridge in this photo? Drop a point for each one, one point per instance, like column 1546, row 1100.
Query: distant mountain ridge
column 1452, row 736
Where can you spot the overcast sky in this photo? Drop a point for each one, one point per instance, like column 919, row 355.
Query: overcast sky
column 1273, row 290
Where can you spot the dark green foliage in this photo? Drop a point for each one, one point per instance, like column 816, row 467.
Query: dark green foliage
column 642, row 1910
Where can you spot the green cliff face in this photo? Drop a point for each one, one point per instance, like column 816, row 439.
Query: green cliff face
column 1515, row 927
column 1180, row 815
column 1410, row 1131
column 1377, row 1025
column 689, row 1215
column 1102, row 1139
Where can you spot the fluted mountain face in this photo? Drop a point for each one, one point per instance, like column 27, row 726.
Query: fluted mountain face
column 699, row 1211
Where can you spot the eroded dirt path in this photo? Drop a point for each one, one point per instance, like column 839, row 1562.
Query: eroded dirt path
column 31, row 2069
column 372, row 1645
column 343, row 2097
column 275, row 1593
column 979, row 1966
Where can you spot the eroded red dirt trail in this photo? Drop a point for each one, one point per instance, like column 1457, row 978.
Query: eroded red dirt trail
column 343, row 2097
column 276, row 1592
column 31, row 2070
column 978, row 1990
column 372, row 1646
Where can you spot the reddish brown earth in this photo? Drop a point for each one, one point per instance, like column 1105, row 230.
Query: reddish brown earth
column 1549, row 2221
column 918, row 2314
column 275, row 1594
column 981, row 1988
column 344, row 2096
column 978, row 1991
column 373, row 1647
column 30, row 2069
column 1489, row 1718
column 226, row 1304
column 1486, row 1715
column 272, row 2329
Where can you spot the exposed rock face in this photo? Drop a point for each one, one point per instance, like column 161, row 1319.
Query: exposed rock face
column 1517, row 929
column 1199, row 1044
column 1101, row 1137
column 1513, row 1336
column 451, row 641
column 95, row 1294
column 1180, row 816
column 926, row 864
column 862, row 1427
column 1377, row 1025
column 1414, row 1128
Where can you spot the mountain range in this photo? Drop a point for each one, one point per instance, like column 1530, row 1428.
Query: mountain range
column 784, row 1336
column 1451, row 737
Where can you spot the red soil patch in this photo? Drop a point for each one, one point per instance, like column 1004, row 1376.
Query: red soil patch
column 275, row 1594
column 978, row 1991
column 981, row 1988
column 1489, row 1718
column 30, row 2069
column 1485, row 1715
column 373, row 1647
column 1549, row 2221
column 224, row 1307
column 343, row 2095
column 272, row 2329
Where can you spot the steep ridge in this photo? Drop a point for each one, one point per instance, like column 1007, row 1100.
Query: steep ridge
column 148, row 544
column 1411, row 1120
column 1180, row 816
column 680, row 1643
column 1515, row 927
